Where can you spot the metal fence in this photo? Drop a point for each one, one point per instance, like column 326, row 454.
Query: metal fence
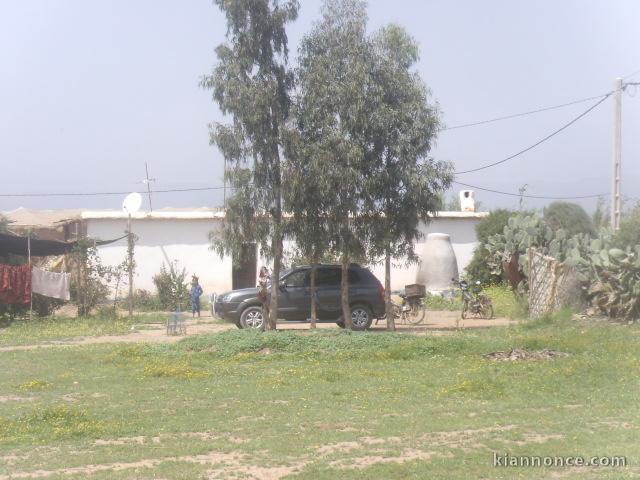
column 552, row 285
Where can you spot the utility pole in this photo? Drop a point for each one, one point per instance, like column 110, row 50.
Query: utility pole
column 148, row 181
column 616, row 202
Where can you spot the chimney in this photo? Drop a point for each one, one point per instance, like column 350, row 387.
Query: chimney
column 467, row 202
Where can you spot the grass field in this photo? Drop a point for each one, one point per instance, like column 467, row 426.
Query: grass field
column 51, row 329
column 324, row 405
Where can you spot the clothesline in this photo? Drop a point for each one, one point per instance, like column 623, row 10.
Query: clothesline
column 19, row 245
column 18, row 283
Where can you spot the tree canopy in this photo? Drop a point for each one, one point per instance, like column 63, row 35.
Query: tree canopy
column 569, row 216
column 251, row 83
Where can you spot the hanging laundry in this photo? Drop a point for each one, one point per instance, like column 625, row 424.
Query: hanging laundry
column 50, row 284
column 15, row 284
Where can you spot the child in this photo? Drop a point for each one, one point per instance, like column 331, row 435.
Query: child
column 196, row 291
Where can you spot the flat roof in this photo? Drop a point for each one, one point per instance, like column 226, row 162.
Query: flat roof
column 51, row 218
column 176, row 214
column 173, row 214
column 27, row 217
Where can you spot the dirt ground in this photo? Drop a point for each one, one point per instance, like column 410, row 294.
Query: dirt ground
column 437, row 323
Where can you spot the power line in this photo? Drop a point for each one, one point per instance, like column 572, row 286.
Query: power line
column 530, row 196
column 89, row 194
column 522, row 114
column 531, row 147
column 604, row 97
column 631, row 74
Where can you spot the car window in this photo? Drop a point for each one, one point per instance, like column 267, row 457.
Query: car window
column 299, row 278
column 354, row 277
column 328, row 277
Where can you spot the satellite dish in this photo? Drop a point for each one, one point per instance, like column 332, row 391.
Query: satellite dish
column 132, row 203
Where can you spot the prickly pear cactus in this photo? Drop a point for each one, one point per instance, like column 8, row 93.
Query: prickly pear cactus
column 613, row 279
column 520, row 233
column 611, row 276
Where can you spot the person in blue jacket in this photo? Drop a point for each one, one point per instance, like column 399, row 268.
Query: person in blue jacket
column 196, row 291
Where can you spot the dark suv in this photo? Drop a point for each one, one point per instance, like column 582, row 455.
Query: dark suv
column 366, row 297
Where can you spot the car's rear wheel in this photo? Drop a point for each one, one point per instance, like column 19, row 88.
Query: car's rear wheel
column 252, row 318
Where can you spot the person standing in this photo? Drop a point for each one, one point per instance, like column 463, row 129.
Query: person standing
column 263, row 292
column 196, row 291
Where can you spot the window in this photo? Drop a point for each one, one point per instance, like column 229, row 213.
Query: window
column 328, row 277
column 299, row 278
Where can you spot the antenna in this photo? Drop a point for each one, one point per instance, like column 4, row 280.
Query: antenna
column 148, row 181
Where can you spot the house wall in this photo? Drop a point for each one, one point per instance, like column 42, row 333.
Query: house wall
column 164, row 241
column 187, row 242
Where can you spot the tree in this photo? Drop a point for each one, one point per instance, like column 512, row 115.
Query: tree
column 305, row 199
column 403, row 185
column 493, row 224
column 453, row 204
column 601, row 216
column 4, row 223
column 332, row 114
column 252, row 84
column 569, row 216
column 629, row 233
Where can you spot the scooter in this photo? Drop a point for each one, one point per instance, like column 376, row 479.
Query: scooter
column 474, row 302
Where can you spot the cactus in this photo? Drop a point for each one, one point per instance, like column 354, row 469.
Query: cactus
column 615, row 290
column 611, row 276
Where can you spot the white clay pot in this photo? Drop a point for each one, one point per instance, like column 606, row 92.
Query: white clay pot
column 438, row 264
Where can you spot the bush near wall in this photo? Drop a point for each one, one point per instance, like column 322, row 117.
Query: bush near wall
column 478, row 268
column 172, row 287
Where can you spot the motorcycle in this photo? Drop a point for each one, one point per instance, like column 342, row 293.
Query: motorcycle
column 473, row 301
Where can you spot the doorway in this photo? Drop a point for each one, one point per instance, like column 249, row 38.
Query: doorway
column 244, row 269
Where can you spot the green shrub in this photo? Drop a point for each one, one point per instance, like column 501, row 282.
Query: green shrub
column 45, row 306
column 629, row 233
column 90, row 287
column 144, row 301
column 172, row 288
column 478, row 268
column 506, row 303
column 106, row 312
column 570, row 217
column 438, row 302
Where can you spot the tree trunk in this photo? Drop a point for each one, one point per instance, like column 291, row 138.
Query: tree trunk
column 314, row 306
column 276, row 248
column 83, row 283
column 276, row 245
column 391, row 322
column 79, row 288
column 344, row 291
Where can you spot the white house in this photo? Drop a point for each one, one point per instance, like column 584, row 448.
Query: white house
column 182, row 237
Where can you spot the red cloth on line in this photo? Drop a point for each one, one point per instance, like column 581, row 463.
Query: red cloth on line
column 15, row 284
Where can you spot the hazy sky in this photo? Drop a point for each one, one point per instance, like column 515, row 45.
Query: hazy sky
column 91, row 90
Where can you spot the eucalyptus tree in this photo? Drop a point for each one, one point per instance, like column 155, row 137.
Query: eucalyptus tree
column 403, row 186
column 331, row 116
column 306, row 201
column 251, row 84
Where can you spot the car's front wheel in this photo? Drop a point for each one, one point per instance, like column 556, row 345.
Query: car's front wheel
column 252, row 318
column 361, row 317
